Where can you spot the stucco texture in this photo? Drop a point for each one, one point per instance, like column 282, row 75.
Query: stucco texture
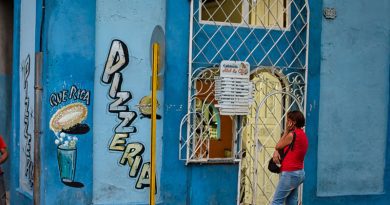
column 354, row 98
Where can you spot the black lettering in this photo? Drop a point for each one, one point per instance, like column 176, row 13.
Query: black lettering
column 117, row 59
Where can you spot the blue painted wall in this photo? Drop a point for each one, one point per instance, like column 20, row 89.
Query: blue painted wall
column 193, row 184
column 348, row 101
column 358, row 63
column 348, row 80
column 16, row 195
column 68, row 47
column 125, row 27
column 175, row 101
column 26, row 96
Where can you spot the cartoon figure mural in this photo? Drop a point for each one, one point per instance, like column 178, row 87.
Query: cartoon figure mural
column 145, row 107
column 66, row 124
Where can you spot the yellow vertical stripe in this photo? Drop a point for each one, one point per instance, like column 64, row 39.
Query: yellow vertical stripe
column 152, row 176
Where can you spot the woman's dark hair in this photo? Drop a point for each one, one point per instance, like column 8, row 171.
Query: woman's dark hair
column 297, row 117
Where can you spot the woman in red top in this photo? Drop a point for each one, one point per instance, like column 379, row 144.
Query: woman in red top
column 292, row 173
column 3, row 157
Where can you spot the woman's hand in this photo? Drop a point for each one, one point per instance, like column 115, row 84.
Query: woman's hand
column 290, row 126
column 276, row 157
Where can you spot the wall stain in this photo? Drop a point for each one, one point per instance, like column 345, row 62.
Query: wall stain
column 176, row 108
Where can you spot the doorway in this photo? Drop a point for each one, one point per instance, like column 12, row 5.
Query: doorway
column 261, row 131
column 6, row 47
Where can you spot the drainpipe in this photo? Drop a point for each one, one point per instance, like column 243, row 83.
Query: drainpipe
column 37, row 126
column 38, row 90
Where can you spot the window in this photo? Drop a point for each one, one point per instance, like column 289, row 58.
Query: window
column 209, row 119
column 214, row 134
column 263, row 13
column 228, row 30
column 222, row 10
column 211, row 135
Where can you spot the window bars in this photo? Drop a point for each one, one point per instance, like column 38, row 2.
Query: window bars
column 268, row 34
column 261, row 132
column 216, row 36
column 272, row 36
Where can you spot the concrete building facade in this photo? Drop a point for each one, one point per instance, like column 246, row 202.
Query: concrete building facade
column 76, row 92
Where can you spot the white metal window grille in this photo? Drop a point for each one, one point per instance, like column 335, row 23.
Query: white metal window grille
column 263, row 13
column 281, row 46
column 272, row 36
column 210, row 136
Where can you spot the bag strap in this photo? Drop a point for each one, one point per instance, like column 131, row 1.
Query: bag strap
column 293, row 141
column 291, row 146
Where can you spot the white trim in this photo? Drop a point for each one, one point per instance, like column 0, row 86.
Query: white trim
column 241, row 25
column 189, row 79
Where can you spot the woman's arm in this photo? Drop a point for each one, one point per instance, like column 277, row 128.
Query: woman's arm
column 285, row 140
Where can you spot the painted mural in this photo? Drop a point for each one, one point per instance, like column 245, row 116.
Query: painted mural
column 132, row 152
column 126, row 129
column 26, row 96
column 68, row 125
column 27, row 153
column 73, row 93
column 122, row 98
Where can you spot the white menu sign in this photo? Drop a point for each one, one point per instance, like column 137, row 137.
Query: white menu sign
column 234, row 69
column 233, row 89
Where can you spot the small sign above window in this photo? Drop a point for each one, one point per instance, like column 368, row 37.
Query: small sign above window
column 234, row 69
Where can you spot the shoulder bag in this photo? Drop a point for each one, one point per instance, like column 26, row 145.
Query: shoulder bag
column 272, row 166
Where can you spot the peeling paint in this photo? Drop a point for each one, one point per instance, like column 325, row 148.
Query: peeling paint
column 173, row 107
